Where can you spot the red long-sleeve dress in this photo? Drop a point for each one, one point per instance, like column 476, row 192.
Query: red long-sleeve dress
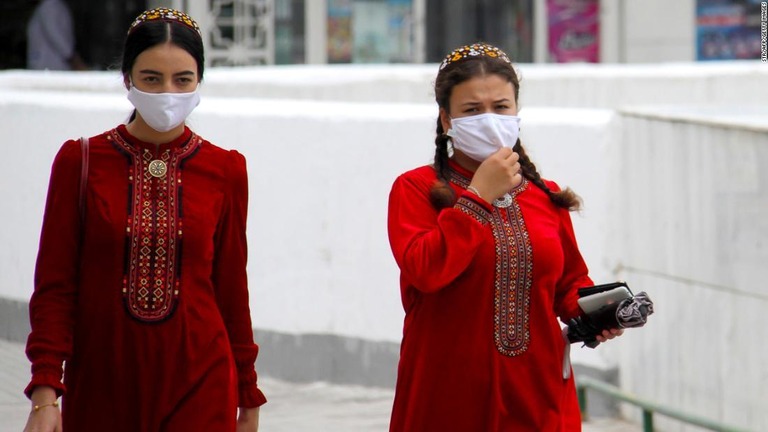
column 482, row 288
column 145, row 297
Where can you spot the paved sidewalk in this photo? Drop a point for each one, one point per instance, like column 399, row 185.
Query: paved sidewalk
column 292, row 407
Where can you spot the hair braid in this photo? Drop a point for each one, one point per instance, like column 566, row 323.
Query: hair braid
column 442, row 195
column 566, row 198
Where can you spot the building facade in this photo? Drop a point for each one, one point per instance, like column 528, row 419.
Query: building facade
column 255, row 32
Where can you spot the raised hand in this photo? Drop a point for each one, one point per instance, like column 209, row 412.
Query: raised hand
column 497, row 175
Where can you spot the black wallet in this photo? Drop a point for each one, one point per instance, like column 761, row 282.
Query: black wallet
column 605, row 307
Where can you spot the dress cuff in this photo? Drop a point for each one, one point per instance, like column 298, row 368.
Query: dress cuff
column 250, row 396
column 45, row 378
column 469, row 204
column 248, row 393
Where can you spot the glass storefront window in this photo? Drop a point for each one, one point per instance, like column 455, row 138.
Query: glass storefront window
column 289, row 32
column 370, row 31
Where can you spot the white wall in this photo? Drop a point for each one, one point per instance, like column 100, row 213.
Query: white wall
column 689, row 214
column 675, row 201
column 542, row 85
column 320, row 174
column 657, row 31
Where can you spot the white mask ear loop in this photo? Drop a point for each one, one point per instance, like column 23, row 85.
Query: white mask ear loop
column 449, row 138
column 450, row 131
column 134, row 112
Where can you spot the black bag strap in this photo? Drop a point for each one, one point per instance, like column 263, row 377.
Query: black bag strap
column 83, row 176
column 588, row 291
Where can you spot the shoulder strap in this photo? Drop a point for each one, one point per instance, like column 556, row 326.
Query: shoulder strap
column 83, row 175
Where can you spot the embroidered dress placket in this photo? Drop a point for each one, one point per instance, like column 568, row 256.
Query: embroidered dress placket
column 513, row 273
column 154, row 230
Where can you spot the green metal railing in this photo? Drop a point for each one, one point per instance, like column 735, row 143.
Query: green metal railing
column 584, row 383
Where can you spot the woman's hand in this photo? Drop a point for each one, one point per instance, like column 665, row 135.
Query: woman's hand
column 609, row 334
column 498, row 174
column 248, row 420
column 48, row 417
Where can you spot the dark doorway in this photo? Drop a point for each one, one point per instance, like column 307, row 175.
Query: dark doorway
column 100, row 28
column 506, row 24
column 14, row 15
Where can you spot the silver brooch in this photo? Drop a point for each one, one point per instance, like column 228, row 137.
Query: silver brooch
column 504, row 201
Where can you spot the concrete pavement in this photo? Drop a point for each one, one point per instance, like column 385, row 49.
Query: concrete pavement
column 292, row 407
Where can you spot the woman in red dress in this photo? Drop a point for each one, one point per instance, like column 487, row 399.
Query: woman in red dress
column 141, row 288
column 488, row 262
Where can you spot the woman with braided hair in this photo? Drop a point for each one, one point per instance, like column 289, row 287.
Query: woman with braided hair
column 488, row 263
column 140, row 284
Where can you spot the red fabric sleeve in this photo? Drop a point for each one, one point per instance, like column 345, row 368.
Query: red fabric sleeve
column 231, row 283
column 575, row 272
column 51, row 307
column 432, row 249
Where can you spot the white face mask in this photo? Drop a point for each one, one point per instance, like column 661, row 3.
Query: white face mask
column 481, row 135
column 163, row 111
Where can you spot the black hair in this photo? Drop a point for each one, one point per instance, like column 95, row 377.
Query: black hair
column 151, row 33
column 454, row 73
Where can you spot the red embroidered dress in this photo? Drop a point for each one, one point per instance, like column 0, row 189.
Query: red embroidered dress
column 482, row 288
column 147, row 303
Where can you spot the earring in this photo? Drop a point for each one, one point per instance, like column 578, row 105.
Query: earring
column 449, row 147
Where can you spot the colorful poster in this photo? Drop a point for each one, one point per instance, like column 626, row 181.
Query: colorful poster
column 727, row 29
column 370, row 31
column 574, row 30
column 339, row 31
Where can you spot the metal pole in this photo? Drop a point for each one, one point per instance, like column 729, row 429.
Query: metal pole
column 647, row 421
column 581, row 393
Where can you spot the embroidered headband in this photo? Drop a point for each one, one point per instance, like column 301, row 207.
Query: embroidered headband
column 165, row 14
column 476, row 49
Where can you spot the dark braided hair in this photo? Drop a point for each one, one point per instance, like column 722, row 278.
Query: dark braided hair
column 441, row 196
column 454, row 73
